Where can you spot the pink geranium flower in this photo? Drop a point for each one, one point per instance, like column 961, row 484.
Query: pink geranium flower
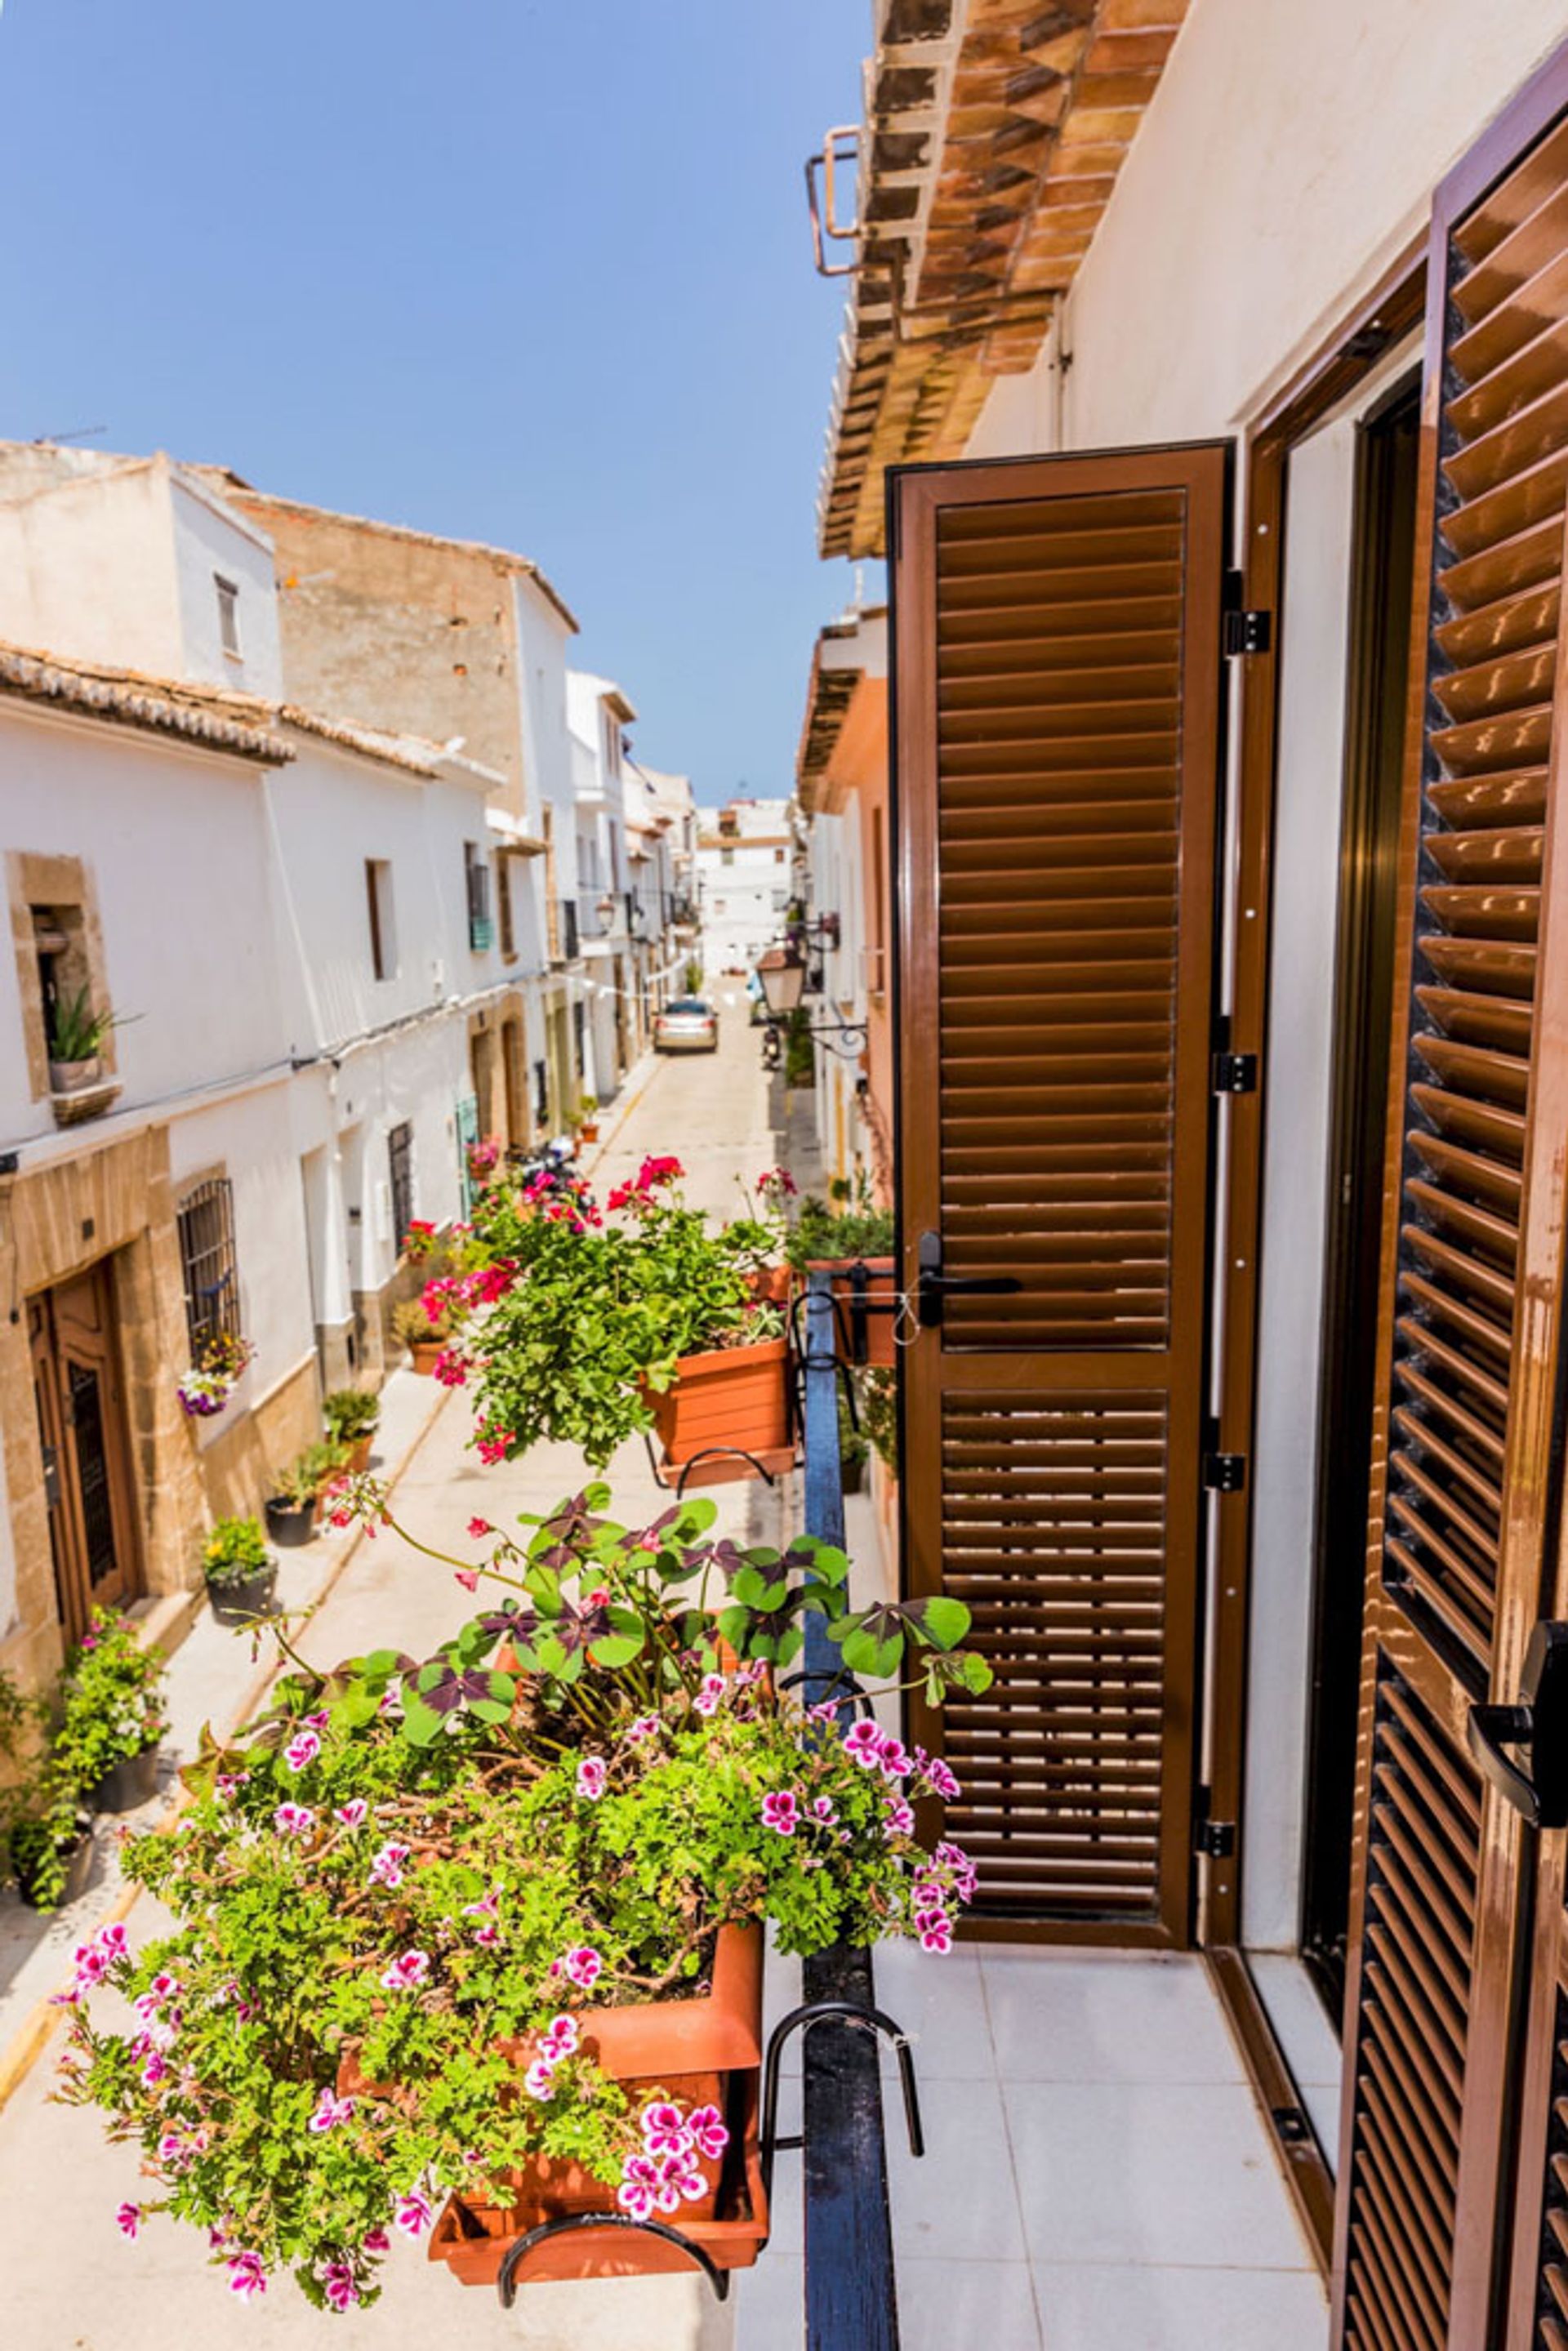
column 584, row 1965
column 708, row 2133
column 823, row 1809
column 590, row 1778
column 479, row 1529
column 893, row 1758
column 302, row 1749
column 376, row 2240
column 864, row 1741
column 539, row 2079
column 354, row 1813
column 387, row 1867
column 246, row 2277
column 337, row 2286
column 710, row 1697
column 639, row 2183
column 469, row 1577
column 899, row 1820
column 559, row 2039
column 644, row 1728
column 294, row 1819
column 780, row 1811
column 664, row 2129
column 413, row 2214
column 408, row 1969
column 329, row 2112
column 127, row 2219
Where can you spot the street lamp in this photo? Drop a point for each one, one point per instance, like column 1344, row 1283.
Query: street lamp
column 782, row 977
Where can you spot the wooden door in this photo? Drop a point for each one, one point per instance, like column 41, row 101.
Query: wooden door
column 1466, row 1474
column 1057, row 660
column 81, row 1424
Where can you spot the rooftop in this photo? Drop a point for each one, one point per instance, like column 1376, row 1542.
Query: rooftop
column 226, row 722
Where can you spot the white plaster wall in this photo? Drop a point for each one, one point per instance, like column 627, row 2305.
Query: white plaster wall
column 1297, row 1060
column 745, row 890
column 87, row 569
column 208, row 539
column 542, row 639
column 1291, row 147
column 419, row 1075
column 331, row 811
column 175, row 838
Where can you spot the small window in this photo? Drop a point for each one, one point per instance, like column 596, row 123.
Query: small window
column 503, row 904
column 476, row 881
column 206, row 1227
column 379, row 906
column 228, row 614
column 400, row 1167
column 541, row 1093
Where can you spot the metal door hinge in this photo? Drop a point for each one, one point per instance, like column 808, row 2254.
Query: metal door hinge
column 1243, row 630
column 1216, row 1840
column 1235, row 1073
column 1225, row 1473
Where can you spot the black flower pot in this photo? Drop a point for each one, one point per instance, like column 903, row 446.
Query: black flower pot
column 291, row 1523
column 79, row 1869
column 131, row 1781
column 852, row 1474
column 238, row 1598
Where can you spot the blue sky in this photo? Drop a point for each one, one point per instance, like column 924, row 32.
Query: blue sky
column 532, row 271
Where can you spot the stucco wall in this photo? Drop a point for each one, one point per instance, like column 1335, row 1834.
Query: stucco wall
column 175, row 838
column 1291, row 149
column 207, row 542
column 86, row 565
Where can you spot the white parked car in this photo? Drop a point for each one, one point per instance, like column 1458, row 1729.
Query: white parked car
column 689, row 1025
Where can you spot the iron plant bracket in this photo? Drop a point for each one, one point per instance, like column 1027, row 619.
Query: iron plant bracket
column 862, row 2020
column 571, row 2222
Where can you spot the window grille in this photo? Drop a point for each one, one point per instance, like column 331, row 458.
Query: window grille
column 399, row 1164
column 211, row 1271
column 476, row 869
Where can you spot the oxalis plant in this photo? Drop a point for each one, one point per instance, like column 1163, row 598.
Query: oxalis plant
column 568, row 1319
column 402, row 1894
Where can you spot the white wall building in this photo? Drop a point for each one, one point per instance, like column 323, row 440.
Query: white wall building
column 743, row 875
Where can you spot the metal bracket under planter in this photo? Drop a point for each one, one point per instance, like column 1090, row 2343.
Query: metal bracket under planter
column 506, row 2283
column 861, row 2019
column 721, row 1464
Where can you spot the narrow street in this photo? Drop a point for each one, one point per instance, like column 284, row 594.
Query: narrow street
column 74, row 2285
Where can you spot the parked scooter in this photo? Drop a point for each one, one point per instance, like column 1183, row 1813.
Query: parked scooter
column 772, row 1049
column 551, row 1168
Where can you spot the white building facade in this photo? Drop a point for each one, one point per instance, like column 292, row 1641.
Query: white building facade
column 744, row 882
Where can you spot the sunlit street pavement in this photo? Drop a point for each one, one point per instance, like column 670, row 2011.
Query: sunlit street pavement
column 72, row 2283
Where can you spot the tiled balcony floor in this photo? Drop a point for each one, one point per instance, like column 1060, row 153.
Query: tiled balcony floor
column 1097, row 2177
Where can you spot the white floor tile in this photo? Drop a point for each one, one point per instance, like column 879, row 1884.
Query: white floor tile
column 938, row 2001
column 958, row 2202
column 768, row 2303
column 1125, row 2309
column 952, row 2305
column 1162, row 2174
column 1093, row 2019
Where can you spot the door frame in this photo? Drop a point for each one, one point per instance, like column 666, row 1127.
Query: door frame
column 49, row 1352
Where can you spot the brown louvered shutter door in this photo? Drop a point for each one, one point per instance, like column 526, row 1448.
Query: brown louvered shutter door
column 1465, row 1479
column 1057, row 629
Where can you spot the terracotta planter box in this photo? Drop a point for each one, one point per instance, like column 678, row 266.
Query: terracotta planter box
column 706, row 2051
column 881, row 1297
column 735, row 1397
column 770, row 1285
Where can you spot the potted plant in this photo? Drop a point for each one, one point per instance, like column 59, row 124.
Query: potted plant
column 480, row 1935
column 854, row 1241
column 879, row 1417
column 206, row 1385
column 351, row 1416
column 426, row 1336
column 290, row 1508
column 46, row 1833
column 112, row 1716
column 599, row 1326
column 242, row 1575
column 75, row 1042
column 855, row 1448
column 587, row 1121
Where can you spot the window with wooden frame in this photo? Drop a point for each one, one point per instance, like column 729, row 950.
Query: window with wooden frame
column 378, row 907
column 399, row 1171
column 208, row 1263
column 476, row 883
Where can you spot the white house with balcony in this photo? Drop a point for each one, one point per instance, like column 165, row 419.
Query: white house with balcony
column 744, row 883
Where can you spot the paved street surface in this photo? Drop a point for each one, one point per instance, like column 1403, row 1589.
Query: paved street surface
column 71, row 2282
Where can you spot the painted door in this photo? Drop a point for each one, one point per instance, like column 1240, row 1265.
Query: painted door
column 1058, row 649
column 82, row 1431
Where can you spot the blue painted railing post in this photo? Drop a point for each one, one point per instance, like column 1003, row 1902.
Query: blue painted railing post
column 851, row 2297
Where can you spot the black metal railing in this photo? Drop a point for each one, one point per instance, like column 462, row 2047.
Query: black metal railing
column 851, row 2301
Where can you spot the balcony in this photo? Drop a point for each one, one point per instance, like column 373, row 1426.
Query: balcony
column 1097, row 2175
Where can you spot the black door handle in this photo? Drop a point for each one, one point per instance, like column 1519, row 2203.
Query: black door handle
column 1537, row 1726
column 932, row 1285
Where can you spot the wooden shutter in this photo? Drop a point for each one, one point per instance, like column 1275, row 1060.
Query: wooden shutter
column 1057, row 631
column 1465, row 1479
